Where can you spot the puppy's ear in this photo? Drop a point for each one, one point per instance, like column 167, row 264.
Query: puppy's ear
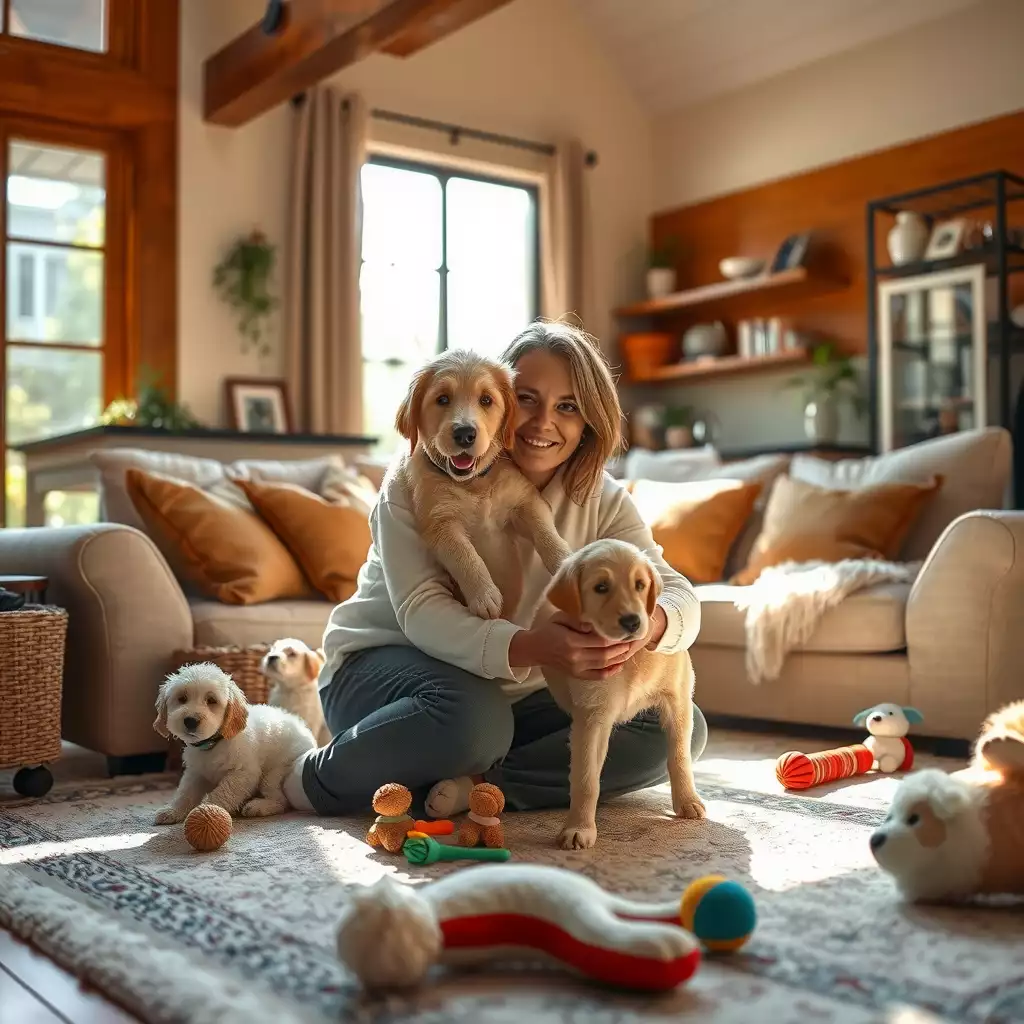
column 564, row 591
column 314, row 661
column 408, row 416
column 506, row 384
column 161, row 712
column 654, row 588
column 236, row 714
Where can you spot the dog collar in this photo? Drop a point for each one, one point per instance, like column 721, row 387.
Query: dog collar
column 209, row 743
column 441, row 469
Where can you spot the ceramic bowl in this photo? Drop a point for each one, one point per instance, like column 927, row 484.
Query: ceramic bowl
column 740, row 266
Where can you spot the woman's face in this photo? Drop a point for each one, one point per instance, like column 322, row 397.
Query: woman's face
column 549, row 424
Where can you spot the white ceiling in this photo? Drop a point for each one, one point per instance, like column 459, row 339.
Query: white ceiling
column 674, row 53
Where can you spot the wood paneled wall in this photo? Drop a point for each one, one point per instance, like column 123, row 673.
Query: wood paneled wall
column 831, row 201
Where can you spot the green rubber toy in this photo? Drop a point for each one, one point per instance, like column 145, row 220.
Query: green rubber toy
column 427, row 850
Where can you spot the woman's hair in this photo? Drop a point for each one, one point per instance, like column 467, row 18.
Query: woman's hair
column 595, row 392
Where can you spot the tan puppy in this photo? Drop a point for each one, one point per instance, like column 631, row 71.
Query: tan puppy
column 466, row 493
column 293, row 669
column 612, row 586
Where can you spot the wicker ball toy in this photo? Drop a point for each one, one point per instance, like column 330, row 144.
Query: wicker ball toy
column 207, row 827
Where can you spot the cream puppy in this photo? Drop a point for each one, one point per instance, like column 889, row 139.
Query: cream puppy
column 236, row 754
column 293, row 669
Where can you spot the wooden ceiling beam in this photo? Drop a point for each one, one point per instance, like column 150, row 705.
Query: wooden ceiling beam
column 315, row 39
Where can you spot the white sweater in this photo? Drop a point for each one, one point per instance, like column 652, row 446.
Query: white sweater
column 401, row 596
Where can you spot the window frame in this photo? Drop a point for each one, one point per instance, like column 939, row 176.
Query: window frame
column 444, row 173
column 121, row 34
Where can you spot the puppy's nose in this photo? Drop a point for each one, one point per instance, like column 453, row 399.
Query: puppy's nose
column 464, row 434
column 876, row 718
column 630, row 623
column 190, row 723
column 877, row 840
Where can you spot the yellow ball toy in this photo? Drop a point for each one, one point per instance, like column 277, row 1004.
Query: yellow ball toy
column 721, row 913
column 207, row 827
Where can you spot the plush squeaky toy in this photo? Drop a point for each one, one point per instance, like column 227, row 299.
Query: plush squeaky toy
column 393, row 822
column 390, row 934
column 482, row 824
column 888, row 725
column 951, row 837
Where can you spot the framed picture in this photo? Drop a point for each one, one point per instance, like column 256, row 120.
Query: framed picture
column 946, row 239
column 258, row 405
column 792, row 253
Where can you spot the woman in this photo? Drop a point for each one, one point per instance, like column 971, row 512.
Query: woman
column 419, row 691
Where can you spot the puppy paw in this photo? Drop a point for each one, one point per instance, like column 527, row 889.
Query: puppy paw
column 486, row 603
column 261, row 807
column 169, row 816
column 689, row 805
column 577, row 837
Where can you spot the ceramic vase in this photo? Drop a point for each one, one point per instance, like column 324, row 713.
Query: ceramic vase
column 661, row 281
column 908, row 237
column 821, row 420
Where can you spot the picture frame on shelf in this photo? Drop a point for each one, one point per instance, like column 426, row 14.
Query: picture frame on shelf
column 946, row 239
column 258, row 405
column 791, row 253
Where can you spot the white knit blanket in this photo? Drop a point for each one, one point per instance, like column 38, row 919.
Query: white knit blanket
column 786, row 602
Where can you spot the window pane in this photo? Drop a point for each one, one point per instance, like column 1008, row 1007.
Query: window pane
column 55, row 194
column 400, row 308
column 76, row 277
column 77, row 23
column 384, row 387
column 401, row 217
column 51, row 391
column 63, row 508
column 492, row 264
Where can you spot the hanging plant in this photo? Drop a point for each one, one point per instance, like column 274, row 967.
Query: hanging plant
column 243, row 280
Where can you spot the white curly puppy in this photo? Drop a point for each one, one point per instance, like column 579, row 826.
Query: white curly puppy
column 236, row 754
column 293, row 669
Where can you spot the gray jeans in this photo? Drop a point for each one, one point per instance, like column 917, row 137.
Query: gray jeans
column 398, row 715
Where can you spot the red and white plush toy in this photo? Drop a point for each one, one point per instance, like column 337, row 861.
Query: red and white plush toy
column 390, row 935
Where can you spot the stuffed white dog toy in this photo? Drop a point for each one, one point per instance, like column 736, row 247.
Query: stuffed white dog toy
column 889, row 725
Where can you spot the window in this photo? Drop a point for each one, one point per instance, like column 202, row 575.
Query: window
column 450, row 260
column 54, row 341
column 79, row 24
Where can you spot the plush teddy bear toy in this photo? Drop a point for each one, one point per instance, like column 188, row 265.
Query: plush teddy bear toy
column 486, row 802
column 391, row 827
column 888, row 725
column 949, row 837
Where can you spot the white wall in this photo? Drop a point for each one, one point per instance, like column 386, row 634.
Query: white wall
column 530, row 69
column 952, row 72
column 231, row 180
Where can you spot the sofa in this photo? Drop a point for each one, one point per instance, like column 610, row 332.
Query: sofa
column 950, row 644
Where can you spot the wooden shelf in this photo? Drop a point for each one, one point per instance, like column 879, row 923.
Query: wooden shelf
column 722, row 366
column 798, row 280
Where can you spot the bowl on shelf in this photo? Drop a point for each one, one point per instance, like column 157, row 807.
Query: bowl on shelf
column 737, row 267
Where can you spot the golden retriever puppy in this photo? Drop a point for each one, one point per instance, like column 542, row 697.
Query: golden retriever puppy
column 466, row 493
column 612, row 586
column 293, row 669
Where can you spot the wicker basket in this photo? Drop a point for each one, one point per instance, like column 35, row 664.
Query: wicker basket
column 241, row 663
column 31, row 674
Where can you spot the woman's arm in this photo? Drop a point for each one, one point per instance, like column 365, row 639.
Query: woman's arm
column 678, row 599
column 426, row 611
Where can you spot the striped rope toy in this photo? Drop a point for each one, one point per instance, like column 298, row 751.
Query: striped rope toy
column 796, row 770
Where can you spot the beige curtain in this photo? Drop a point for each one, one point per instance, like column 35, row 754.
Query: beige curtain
column 325, row 361
column 564, row 230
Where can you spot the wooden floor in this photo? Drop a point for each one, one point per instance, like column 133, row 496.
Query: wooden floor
column 34, row 990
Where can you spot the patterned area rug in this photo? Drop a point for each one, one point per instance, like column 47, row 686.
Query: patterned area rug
column 247, row 933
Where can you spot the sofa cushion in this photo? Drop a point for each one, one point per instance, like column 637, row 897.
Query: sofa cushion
column 805, row 523
column 230, row 553
column 872, row 620
column 974, row 466
column 695, row 522
column 225, row 625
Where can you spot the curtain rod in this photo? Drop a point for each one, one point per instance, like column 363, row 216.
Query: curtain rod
column 455, row 132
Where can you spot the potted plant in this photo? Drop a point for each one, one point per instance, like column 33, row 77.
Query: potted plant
column 244, row 280
column 832, row 379
column 152, row 407
column 678, row 424
column 661, row 270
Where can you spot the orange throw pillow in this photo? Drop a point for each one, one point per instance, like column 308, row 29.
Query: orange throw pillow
column 330, row 540
column 804, row 523
column 230, row 553
column 696, row 522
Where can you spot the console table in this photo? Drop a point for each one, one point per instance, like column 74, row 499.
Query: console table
column 62, row 463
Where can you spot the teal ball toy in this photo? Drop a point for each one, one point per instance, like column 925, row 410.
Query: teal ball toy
column 720, row 912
